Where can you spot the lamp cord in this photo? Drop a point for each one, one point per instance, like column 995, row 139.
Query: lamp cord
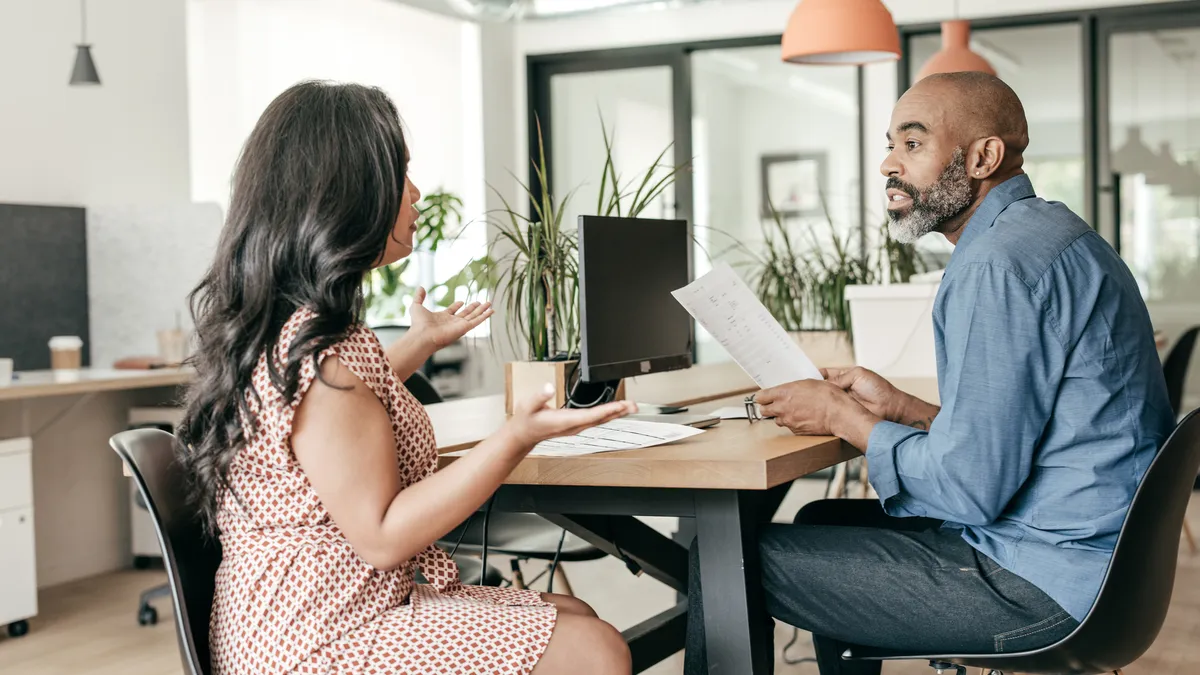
column 83, row 21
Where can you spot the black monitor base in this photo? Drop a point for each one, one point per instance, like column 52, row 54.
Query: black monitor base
column 592, row 394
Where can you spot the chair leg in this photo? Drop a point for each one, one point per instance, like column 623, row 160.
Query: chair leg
column 862, row 477
column 560, row 581
column 1187, row 532
column 518, row 579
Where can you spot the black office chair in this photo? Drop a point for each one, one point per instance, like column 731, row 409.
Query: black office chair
column 1135, row 593
column 422, row 389
column 192, row 557
column 1175, row 367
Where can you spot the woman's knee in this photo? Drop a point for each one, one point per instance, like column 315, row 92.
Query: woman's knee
column 613, row 651
column 569, row 605
column 584, row 645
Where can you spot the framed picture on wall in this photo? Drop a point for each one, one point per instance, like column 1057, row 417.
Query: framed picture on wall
column 793, row 184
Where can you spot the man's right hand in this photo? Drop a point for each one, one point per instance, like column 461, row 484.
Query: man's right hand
column 870, row 389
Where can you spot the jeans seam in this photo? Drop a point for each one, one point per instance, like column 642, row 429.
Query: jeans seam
column 1032, row 629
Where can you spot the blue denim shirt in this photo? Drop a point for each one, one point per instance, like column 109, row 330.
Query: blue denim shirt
column 1053, row 398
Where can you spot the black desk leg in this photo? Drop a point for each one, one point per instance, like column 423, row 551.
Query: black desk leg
column 735, row 622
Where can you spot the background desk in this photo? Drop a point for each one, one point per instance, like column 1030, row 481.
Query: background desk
column 80, row 499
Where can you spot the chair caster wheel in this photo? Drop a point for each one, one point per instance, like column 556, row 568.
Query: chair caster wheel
column 147, row 616
column 18, row 628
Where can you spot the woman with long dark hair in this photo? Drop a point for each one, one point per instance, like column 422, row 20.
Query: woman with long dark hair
column 309, row 458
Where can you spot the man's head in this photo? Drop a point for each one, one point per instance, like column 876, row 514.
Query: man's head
column 951, row 139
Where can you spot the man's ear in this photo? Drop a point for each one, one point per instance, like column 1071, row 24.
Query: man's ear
column 987, row 154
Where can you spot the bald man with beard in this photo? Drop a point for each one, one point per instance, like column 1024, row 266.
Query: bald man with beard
column 998, row 511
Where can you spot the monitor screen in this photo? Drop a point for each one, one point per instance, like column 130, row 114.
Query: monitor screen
column 630, row 323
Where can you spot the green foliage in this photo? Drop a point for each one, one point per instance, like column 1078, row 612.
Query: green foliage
column 801, row 277
column 386, row 292
column 532, row 264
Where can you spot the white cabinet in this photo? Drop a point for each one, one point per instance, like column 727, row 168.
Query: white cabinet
column 18, row 565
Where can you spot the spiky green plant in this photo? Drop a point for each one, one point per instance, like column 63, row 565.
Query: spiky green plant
column 532, row 264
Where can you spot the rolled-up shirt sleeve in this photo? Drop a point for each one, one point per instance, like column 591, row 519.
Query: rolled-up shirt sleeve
column 1000, row 354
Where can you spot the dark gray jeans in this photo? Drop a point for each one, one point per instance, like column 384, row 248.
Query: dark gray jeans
column 849, row 573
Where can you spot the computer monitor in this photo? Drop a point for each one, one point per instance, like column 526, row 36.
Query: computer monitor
column 630, row 324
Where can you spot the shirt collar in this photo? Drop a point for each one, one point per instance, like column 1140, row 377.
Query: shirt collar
column 999, row 198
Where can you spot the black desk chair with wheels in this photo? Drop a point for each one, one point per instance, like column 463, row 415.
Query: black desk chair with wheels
column 523, row 536
column 190, row 556
column 1135, row 594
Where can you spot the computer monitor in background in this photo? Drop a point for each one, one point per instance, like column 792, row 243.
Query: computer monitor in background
column 630, row 324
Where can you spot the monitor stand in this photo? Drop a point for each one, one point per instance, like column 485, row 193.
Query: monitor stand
column 591, row 394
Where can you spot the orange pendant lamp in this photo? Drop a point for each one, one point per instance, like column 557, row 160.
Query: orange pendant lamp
column 956, row 55
column 841, row 32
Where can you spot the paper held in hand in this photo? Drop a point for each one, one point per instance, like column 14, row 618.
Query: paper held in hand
column 726, row 307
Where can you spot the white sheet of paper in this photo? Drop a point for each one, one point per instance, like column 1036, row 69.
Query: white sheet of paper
column 619, row 434
column 731, row 413
column 726, row 307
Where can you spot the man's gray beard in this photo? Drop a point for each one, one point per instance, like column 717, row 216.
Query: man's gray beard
column 933, row 207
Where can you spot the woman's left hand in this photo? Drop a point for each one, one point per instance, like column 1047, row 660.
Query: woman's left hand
column 440, row 329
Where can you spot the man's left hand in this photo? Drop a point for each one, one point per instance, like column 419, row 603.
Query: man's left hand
column 817, row 408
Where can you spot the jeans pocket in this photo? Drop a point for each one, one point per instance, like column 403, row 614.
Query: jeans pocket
column 1035, row 635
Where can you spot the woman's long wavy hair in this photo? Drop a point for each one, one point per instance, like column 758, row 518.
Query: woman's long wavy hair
column 316, row 194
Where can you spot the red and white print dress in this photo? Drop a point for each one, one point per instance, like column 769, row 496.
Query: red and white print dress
column 293, row 597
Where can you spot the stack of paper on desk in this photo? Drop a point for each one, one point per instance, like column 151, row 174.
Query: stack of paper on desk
column 726, row 307
column 616, row 435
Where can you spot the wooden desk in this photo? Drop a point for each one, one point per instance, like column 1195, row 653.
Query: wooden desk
column 43, row 383
column 729, row 479
column 462, row 423
column 80, row 501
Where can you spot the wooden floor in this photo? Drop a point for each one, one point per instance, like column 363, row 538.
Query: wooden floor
column 91, row 626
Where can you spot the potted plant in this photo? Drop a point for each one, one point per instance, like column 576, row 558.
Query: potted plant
column 802, row 281
column 532, row 268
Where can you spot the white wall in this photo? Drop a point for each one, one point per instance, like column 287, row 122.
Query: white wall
column 124, row 141
column 243, row 53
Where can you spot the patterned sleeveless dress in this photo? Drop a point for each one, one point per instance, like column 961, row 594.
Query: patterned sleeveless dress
column 292, row 596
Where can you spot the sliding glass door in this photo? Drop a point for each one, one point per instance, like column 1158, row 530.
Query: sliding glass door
column 1149, row 128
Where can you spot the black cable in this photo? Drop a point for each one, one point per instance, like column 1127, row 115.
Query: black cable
column 794, row 640
column 466, row 526
column 554, row 564
column 487, row 516
column 630, row 565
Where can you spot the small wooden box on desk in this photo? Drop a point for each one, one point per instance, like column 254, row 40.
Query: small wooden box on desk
column 523, row 379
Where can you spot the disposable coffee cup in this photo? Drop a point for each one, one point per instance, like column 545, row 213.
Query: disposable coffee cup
column 6, row 372
column 66, row 352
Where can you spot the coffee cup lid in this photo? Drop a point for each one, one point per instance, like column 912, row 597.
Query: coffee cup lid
column 66, row 342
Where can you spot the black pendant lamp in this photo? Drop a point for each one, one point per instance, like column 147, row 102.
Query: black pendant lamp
column 85, row 68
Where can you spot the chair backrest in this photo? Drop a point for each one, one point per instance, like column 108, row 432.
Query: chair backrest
column 422, row 389
column 1175, row 367
column 1135, row 595
column 190, row 555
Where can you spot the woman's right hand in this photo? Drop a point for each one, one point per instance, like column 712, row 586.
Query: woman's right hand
column 534, row 421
